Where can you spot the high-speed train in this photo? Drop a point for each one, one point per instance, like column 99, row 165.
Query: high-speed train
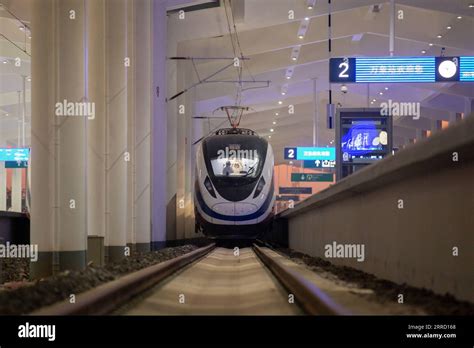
column 234, row 190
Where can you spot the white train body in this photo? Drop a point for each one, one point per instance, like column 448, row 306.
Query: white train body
column 234, row 189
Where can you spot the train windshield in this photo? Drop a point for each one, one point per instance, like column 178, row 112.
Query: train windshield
column 235, row 156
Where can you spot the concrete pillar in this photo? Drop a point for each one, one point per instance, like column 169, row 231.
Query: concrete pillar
column 142, row 120
column 159, row 125
column 181, row 101
column 16, row 190
column 189, row 224
column 58, row 215
column 117, row 153
column 96, row 85
column 172, row 137
column 3, row 187
column 130, row 71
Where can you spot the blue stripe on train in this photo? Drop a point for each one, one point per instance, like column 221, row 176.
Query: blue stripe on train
column 216, row 215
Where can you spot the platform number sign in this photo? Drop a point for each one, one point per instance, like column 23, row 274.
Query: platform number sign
column 342, row 70
column 290, row 153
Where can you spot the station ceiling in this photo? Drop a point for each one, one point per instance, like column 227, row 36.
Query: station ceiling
column 359, row 28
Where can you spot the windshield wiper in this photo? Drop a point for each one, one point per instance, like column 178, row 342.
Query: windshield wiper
column 250, row 171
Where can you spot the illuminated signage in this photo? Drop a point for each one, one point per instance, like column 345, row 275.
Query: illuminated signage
column 16, row 165
column 14, row 155
column 318, row 177
column 401, row 69
column 319, row 164
column 466, row 71
column 296, row 190
column 363, row 136
column 310, row 153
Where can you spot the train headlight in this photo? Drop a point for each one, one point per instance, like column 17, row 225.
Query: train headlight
column 260, row 186
column 209, row 187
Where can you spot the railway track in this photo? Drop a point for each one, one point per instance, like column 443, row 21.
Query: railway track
column 209, row 280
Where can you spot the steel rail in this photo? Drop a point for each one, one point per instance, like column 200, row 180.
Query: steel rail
column 109, row 296
column 312, row 299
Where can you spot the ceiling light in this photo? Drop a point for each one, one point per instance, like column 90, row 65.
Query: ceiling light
column 471, row 5
column 374, row 100
column 291, row 162
column 439, row 36
column 22, row 28
column 269, row 137
column 386, row 88
column 6, row 114
column 423, row 52
column 276, row 114
column 449, row 27
column 430, row 44
column 288, row 77
column 28, row 79
column 5, row 61
column 271, row 130
column 29, row 37
column 306, row 18
column 300, row 37
column 280, row 102
column 381, row 93
column 283, row 93
column 459, row 17
column 310, row 7
column 274, row 122
column 293, row 58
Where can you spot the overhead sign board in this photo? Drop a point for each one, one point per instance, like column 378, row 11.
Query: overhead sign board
column 20, row 154
column 319, row 164
column 401, row 69
column 318, row 177
column 295, row 191
column 310, row 153
column 288, row 198
column 16, row 164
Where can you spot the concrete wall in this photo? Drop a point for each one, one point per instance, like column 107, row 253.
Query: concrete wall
column 412, row 245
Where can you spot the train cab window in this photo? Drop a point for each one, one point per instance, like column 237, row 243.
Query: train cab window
column 235, row 156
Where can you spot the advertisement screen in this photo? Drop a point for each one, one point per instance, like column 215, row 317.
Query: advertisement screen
column 363, row 138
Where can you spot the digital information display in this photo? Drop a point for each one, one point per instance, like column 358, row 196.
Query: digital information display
column 362, row 137
column 310, row 153
column 21, row 154
column 401, row 69
column 466, row 71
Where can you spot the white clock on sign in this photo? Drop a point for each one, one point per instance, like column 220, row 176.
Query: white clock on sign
column 447, row 69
